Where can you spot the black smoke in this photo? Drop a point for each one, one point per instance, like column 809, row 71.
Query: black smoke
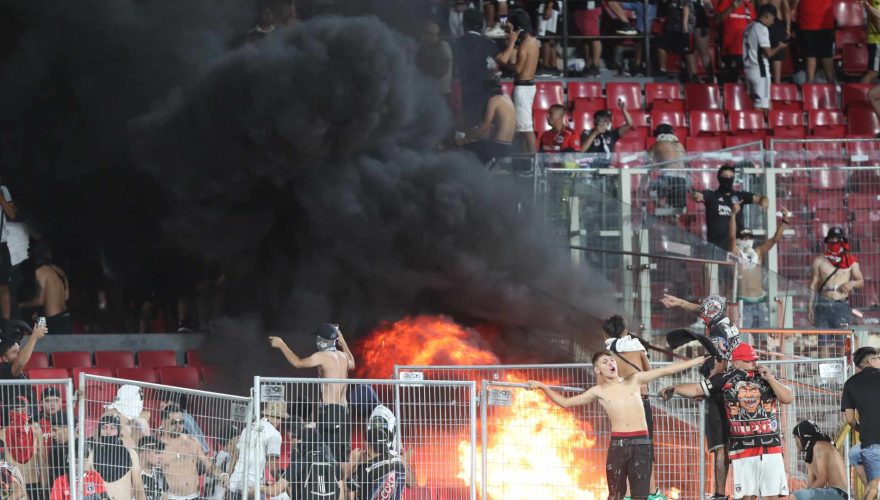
column 305, row 162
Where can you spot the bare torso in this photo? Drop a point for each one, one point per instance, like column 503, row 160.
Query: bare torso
column 624, row 369
column 30, row 471
column 530, row 48
column 504, row 118
column 825, row 455
column 334, row 364
column 623, row 402
column 121, row 489
column 666, row 151
column 180, row 465
column 751, row 283
column 840, row 277
column 53, row 281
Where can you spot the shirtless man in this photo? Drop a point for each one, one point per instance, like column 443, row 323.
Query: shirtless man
column 833, row 276
column 181, row 457
column 24, row 447
column 53, row 291
column 629, row 456
column 522, row 42
column 333, row 418
column 826, row 471
column 493, row 136
column 750, row 270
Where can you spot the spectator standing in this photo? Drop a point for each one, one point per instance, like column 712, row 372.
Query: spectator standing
column 757, row 53
column 826, row 471
column 816, row 36
column 833, row 276
column 150, row 455
column 18, row 242
column 676, row 38
column 7, row 213
column 780, row 31
column 587, row 18
column 434, row 58
column 548, row 22
column 719, row 206
column 734, row 16
column 456, row 18
column 182, row 456
column 378, row 472
column 53, row 291
column 522, row 42
column 861, row 408
column 560, row 138
column 190, row 426
column 669, row 189
column 13, row 358
column 493, row 137
column 872, row 7
column 474, row 61
column 495, row 10
column 262, row 443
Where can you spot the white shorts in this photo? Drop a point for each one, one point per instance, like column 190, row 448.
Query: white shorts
column 523, row 99
column 763, row 476
column 759, row 87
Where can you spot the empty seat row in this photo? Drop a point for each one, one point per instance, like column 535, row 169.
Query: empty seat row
column 111, row 359
column 179, row 376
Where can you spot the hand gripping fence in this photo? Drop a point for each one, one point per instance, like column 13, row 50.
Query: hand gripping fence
column 374, row 435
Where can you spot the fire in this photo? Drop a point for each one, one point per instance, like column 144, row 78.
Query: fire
column 420, row 340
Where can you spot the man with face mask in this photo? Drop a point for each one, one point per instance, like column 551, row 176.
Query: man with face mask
column 827, row 472
column 117, row 464
column 750, row 270
column 833, row 276
column 719, row 206
column 333, row 414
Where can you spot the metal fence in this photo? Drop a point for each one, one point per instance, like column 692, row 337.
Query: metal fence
column 425, row 429
column 162, row 440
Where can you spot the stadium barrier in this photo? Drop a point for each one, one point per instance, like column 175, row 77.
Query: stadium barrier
column 199, row 432
column 38, row 438
column 433, row 427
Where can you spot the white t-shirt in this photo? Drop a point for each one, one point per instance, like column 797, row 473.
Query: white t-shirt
column 3, row 220
column 264, row 440
column 17, row 240
column 627, row 343
column 756, row 37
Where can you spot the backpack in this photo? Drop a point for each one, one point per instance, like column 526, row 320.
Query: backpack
column 321, row 479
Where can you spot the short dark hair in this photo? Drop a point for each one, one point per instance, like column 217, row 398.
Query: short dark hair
column 168, row 410
column 599, row 354
column 614, row 326
column 472, row 20
column 862, row 353
column 664, row 128
column 767, row 8
column 520, row 19
column 176, row 399
column 601, row 114
column 728, row 167
column 556, row 108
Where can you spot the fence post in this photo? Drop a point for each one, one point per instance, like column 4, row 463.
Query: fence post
column 71, row 447
column 473, row 418
column 485, row 457
column 702, row 452
column 82, row 435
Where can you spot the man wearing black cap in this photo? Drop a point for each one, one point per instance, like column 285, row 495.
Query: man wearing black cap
column 332, row 416
column 861, row 408
column 13, row 358
column 827, row 473
column 833, row 275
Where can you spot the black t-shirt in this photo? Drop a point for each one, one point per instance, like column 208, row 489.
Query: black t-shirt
column 472, row 56
column 719, row 207
column 154, row 484
column 860, row 393
column 6, row 372
column 751, row 408
column 382, row 478
column 603, row 143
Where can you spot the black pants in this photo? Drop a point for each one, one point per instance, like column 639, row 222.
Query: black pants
column 629, row 460
column 59, row 324
column 334, row 428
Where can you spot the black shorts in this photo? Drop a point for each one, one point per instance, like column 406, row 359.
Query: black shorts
column 716, row 427
column 649, row 417
column 816, row 43
column 60, row 324
column 334, row 429
column 5, row 264
column 675, row 42
column 873, row 57
column 702, row 20
column 777, row 36
column 629, row 460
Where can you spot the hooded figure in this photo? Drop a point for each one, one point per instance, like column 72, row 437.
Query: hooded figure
column 808, row 433
column 112, row 459
column 325, row 336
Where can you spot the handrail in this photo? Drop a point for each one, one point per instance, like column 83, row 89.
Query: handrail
column 653, row 256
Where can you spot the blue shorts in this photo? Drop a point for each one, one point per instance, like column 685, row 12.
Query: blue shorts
column 871, row 461
column 832, row 314
column 855, row 454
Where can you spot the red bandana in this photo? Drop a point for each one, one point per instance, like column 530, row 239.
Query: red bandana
column 838, row 255
column 20, row 437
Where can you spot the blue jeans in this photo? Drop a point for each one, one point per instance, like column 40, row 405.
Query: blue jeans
column 755, row 314
column 643, row 24
column 832, row 314
column 871, row 461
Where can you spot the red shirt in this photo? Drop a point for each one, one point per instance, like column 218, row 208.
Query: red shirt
column 733, row 27
column 564, row 140
column 94, row 487
column 815, row 15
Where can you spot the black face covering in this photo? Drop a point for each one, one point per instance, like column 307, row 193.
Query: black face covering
column 725, row 184
column 112, row 459
column 808, row 433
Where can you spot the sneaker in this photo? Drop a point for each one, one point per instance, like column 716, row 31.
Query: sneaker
column 628, row 30
column 592, row 71
column 496, row 32
column 657, row 495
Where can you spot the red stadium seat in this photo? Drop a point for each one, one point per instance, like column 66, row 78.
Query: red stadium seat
column 588, row 105
column 193, row 358
column 210, row 375
column 849, row 14
column 863, row 153
column 630, row 92
column 784, row 96
column 101, row 372
column 72, row 359
column 539, row 120
column 641, row 125
column 863, row 122
column 37, row 360
column 674, row 118
column 736, row 97
column 750, row 122
column 820, row 96
column 583, row 120
column 704, row 144
column 138, row 374
column 585, row 90
column 704, row 179
column 548, row 94
column 180, row 376
column 820, row 153
column 48, row 373
column 114, row 359
column 828, row 178
column 702, row 97
column 629, row 151
column 738, row 140
column 857, row 202
column 707, row 123
column 855, row 59
column 848, row 36
column 787, row 124
column 156, row 359
column 854, row 94
column 827, row 123
column 664, row 96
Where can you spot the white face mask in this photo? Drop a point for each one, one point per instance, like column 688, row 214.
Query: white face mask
column 745, row 245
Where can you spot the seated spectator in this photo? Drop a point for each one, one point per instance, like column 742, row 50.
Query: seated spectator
column 91, row 482
column 757, row 53
column 560, row 138
column 676, row 38
column 816, row 35
column 587, row 16
column 734, row 16
column 603, row 138
column 827, row 471
column 53, row 291
column 493, row 137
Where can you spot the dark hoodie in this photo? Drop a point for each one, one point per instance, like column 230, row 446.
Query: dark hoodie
column 112, row 459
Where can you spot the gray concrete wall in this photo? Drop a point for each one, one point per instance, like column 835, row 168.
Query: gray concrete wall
column 123, row 342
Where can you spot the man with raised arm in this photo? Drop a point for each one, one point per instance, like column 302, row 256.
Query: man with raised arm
column 629, row 455
column 333, row 418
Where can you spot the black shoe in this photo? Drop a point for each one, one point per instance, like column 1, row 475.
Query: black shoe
column 628, row 30
column 592, row 71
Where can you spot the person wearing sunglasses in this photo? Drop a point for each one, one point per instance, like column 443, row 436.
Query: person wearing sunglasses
column 181, row 456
